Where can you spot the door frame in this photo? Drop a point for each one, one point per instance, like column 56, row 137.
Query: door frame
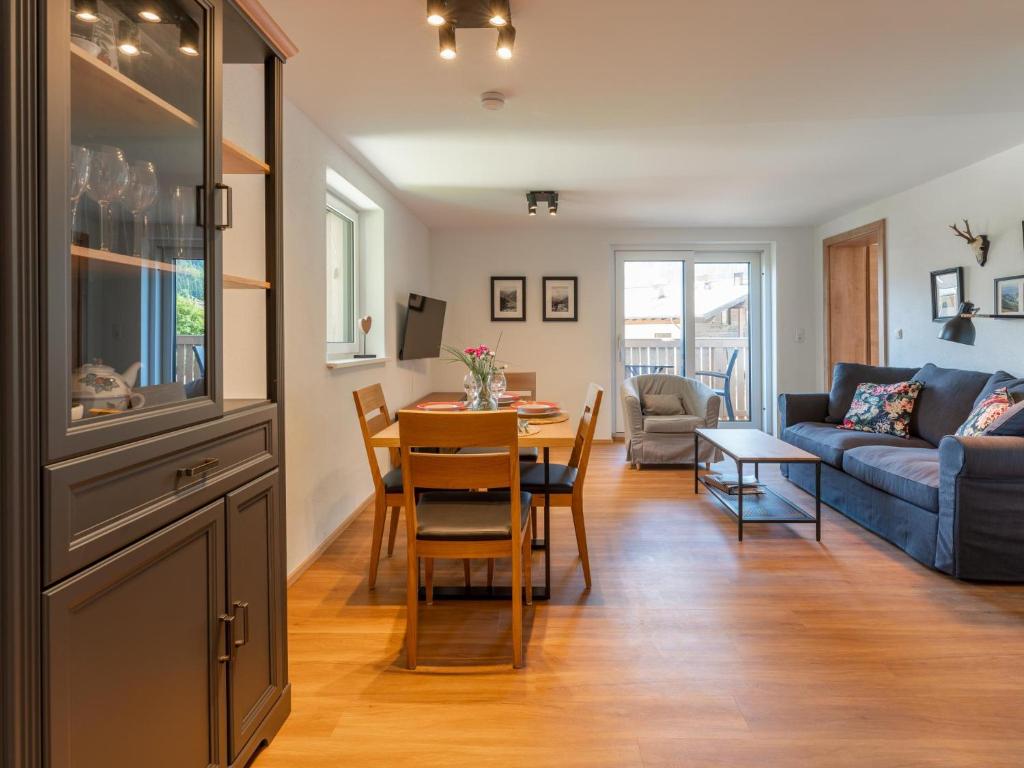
column 868, row 233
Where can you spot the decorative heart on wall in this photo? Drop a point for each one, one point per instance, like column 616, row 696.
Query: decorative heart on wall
column 366, row 323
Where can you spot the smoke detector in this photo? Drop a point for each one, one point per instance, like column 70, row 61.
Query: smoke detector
column 492, row 100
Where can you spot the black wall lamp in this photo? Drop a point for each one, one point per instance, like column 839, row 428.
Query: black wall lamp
column 449, row 15
column 550, row 198
column 960, row 328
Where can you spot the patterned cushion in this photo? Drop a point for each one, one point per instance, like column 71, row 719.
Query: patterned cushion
column 883, row 408
column 986, row 413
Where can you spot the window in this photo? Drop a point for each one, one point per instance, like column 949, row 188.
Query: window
column 342, row 277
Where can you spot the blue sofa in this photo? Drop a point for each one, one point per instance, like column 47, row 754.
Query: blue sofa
column 955, row 504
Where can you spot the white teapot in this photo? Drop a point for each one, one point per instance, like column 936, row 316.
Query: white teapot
column 98, row 386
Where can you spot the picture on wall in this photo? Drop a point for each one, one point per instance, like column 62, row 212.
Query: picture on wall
column 1009, row 299
column 947, row 293
column 560, row 294
column 508, row 298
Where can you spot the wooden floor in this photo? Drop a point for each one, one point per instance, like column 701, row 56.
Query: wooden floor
column 691, row 650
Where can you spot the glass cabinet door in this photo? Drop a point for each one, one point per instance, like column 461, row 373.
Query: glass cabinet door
column 139, row 269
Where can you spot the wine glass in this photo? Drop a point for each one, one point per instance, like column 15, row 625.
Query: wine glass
column 78, row 175
column 498, row 384
column 108, row 177
column 138, row 197
column 179, row 211
column 471, row 384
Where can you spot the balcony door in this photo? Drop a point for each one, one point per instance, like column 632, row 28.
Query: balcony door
column 693, row 313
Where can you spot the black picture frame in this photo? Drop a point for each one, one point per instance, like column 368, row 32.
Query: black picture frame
column 504, row 314
column 556, row 314
column 999, row 309
column 942, row 309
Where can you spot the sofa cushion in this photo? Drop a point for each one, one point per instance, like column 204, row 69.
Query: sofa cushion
column 662, row 405
column 883, row 408
column 672, row 425
column 945, row 402
column 986, row 413
column 1010, row 424
column 1002, row 379
column 830, row 442
column 847, row 376
column 911, row 474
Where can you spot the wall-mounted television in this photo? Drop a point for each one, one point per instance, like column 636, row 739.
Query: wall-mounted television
column 424, row 324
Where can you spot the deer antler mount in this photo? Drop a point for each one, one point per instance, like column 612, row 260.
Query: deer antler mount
column 979, row 243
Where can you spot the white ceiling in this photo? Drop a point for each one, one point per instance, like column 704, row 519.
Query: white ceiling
column 664, row 112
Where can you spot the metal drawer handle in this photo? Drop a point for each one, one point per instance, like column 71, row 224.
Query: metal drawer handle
column 229, row 624
column 204, row 466
column 245, row 622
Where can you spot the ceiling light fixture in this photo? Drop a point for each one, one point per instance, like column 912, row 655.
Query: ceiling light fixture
column 446, row 34
column 87, row 10
column 437, row 13
column 188, row 41
column 150, row 14
column 129, row 42
column 553, row 204
column 531, row 203
column 492, row 100
column 533, row 198
column 501, row 14
column 506, row 42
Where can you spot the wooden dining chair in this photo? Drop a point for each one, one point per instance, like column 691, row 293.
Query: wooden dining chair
column 452, row 523
column 565, row 481
column 522, row 381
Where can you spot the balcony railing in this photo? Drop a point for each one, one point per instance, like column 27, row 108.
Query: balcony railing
column 712, row 354
column 187, row 367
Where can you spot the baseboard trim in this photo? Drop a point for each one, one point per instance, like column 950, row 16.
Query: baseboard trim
column 315, row 555
column 603, row 440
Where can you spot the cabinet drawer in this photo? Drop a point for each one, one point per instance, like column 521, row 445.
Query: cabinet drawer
column 97, row 504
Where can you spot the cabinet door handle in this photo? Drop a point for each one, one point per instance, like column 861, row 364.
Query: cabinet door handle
column 229, row 632
column 200, row 206
column 229, row 206
column 245, row 622
column 204, row 466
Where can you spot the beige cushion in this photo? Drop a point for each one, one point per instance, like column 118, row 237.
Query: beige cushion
column 662, row 405
column 467, row 515
column 672, row 425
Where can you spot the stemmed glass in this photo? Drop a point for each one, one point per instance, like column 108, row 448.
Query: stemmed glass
column 138, row 197
column 498, row 384
column 78, row 176
column 108, row 177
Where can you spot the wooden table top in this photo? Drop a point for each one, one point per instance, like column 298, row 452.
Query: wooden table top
column 755, row 445
column 561, row 435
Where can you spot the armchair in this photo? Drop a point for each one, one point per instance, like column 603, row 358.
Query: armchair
column 668, row 439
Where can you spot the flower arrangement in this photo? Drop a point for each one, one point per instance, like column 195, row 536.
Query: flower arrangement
column 483, row 365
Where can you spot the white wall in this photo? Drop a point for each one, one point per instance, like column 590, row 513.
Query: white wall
column 567, row 356
column 327, row 474
column 991, row 195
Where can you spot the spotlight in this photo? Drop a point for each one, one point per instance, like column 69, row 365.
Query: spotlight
column 128, row 40
column 87, row 10
column 188, row 42
column 447, row 37
column 553, row 206
column 506, row 41
column 151, row 14
column 437, row 11
column 531, row 203
column 500, row 13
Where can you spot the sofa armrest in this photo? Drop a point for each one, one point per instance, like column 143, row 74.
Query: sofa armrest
column 632, row 410
column 981, row 508
column 794, row 409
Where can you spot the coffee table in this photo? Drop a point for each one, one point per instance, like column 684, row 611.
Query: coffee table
column 752, row 446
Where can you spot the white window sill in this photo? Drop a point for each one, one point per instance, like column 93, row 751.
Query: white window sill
column 352, row 362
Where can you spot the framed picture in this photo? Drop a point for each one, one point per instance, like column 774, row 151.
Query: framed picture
column 947, row 293
column 508, row 299
column 1009, row 296
column 560, row 296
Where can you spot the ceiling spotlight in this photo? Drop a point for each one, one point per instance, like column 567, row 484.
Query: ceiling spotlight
column 500, row 13
column 531, row 203
column 437, row 13
column 129, row 41
column 492, row 100
column 447, row 37
column 150, row 14
column 553, row 206
column 533, row 198
column 188, row 42
column 87, row 10
column 506, row 42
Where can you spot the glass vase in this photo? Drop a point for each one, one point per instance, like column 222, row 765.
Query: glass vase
column 486, row 399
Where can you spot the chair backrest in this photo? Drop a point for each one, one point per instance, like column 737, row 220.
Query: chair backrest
column 522, row 382
column 372, row 410
column 732, row 363
column 454, row 471
column 580, row 457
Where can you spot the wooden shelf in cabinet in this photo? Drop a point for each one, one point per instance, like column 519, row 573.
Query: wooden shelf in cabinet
column 105, row 102
column 230, row 281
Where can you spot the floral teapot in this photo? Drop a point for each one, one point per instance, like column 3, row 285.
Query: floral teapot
column 99, row 387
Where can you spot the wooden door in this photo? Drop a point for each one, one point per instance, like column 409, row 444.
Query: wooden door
column 256, row 675
column 132, row 649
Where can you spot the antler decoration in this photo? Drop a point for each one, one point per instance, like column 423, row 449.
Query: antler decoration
column 979, row 243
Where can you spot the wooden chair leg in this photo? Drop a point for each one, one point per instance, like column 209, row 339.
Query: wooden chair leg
column 528, row 570
column 466, row 573
column 412, row 606
column 490, row 572
column 517, row 609
column 428, row 579
column 394, row 530
column 379, row 514
column 581, row 538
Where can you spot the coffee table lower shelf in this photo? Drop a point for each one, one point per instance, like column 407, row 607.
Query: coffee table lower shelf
column 766, row 507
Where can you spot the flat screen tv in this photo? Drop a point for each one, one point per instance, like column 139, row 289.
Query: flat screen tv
column 424, row 323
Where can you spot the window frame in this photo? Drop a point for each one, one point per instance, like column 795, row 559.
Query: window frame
column 338, row 349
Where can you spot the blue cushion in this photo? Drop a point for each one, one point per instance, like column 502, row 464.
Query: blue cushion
column 847, row 376
column 945, row 402
column 829, row 442
column 911, row 474
column 561, row 478
column 1010, row 424
column 1001, row 379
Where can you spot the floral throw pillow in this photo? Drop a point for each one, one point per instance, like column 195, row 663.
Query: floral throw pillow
column 883, row 408
column 987, row 413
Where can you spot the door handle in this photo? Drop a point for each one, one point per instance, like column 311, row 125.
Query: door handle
column 228, row 207
column 228, row 622
column 245, row 622
column 204, row 466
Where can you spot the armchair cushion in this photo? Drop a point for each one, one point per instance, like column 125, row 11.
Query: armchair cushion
column 672, row 425
column 662, row 405
column 467, row 515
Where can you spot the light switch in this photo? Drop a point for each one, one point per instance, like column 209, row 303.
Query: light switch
column 899, row 333
column 801, row 335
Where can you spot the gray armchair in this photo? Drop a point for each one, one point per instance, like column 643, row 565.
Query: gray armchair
column 668, row 439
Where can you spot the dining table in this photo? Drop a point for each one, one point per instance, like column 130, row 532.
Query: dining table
column 544, row 437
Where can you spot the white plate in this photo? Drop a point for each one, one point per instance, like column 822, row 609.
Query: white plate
column 442, row 407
